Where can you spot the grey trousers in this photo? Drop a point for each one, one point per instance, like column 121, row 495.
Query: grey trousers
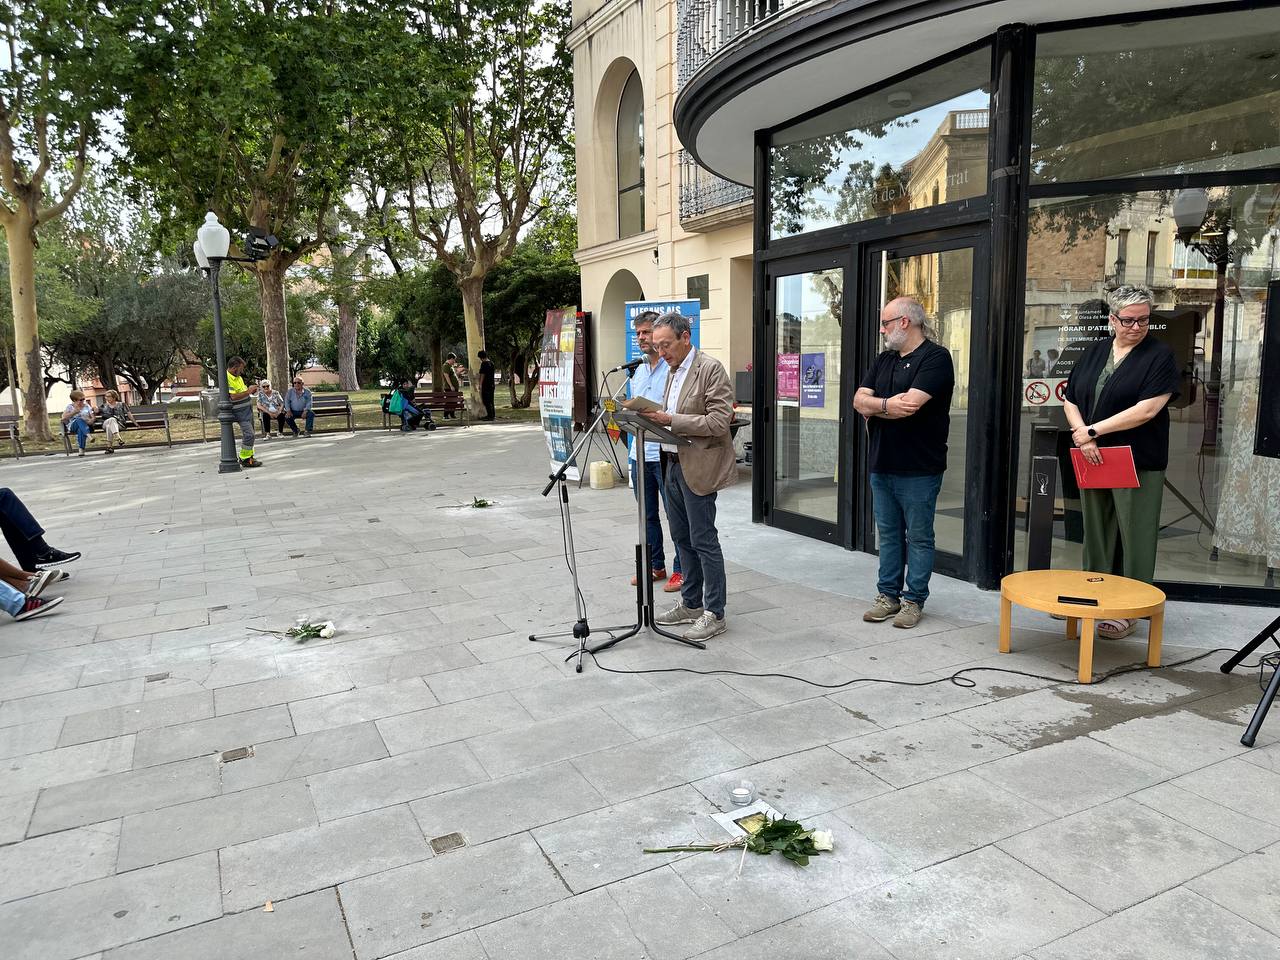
column 245, row 417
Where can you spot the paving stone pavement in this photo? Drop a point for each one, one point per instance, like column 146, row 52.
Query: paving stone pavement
column 1015, row 819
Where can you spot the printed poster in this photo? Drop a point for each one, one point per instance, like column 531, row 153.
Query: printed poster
column 691, row 310
column 788, row 379
column 555, row 386
column 813, row 379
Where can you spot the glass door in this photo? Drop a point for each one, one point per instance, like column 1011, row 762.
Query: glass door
column 948, row 278
column 805, row 304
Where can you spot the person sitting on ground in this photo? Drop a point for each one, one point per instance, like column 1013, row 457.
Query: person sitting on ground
column 271, row 406
column 297, row 402
column 78, row 419
column 241, row 397
column 115, row 417
column 26, row 537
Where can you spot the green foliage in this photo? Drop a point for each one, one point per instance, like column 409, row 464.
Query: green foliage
column 242, row 331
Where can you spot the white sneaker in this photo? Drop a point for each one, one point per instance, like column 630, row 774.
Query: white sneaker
column 705, row 627
column 678, row 614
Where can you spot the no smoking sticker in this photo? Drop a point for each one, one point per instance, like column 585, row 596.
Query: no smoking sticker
column 1037, row 392
column 1060, row 391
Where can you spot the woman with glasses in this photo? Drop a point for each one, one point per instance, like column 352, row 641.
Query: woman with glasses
column 1117, row 396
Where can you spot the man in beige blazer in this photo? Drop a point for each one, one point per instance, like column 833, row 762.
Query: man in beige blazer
column 699, row 406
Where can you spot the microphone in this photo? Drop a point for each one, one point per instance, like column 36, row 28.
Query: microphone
column 629, row 367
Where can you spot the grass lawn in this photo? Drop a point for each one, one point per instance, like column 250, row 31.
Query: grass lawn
column 184, row 422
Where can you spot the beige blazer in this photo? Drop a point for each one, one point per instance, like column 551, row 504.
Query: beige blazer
column 703, row 414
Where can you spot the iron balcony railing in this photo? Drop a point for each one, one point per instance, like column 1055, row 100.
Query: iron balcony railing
column 701, row 191
column 707, row 25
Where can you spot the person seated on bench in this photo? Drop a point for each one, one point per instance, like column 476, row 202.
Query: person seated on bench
column 115, row 417
column 410, row 415
column 271, row 406
column 297, row 401
column 78, row 419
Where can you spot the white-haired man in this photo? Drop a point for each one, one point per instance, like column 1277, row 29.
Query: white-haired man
column 906, row 399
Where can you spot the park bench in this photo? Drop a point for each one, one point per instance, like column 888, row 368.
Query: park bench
column 11, row 424
column 153, row 416
column 333, row 405
column 442, row 400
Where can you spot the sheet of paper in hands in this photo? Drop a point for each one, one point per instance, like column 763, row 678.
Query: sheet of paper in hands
column 641, row 403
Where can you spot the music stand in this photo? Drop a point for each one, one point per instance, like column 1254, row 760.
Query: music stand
column 1269, row 696
column 641, row 427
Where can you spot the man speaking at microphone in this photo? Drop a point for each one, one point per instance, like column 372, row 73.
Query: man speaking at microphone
column 698, row 406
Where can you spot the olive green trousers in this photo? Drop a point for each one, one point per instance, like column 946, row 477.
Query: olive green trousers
column 1122, row 527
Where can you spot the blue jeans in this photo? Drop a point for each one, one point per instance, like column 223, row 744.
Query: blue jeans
column 904, row 507
column 653, row 489
column 81, row 429
column 693, row 530
column 410, row 417
column 12, row 600
column 292, row 420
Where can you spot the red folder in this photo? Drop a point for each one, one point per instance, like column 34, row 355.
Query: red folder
column 1115, row 471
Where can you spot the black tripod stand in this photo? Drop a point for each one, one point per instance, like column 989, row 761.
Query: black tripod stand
column 644, row 583
column 1268, row 633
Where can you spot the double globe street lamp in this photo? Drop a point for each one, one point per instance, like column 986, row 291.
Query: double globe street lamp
column 211, row 248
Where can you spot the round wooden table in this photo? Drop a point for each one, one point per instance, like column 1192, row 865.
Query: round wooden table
column 1117, row 598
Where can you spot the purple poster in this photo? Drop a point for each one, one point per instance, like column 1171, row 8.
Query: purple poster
column 788, row 376
column 813, row 379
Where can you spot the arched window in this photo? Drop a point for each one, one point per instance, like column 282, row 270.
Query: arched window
column 631, row 158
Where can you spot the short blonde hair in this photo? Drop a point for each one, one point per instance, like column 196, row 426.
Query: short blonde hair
column 77, row 394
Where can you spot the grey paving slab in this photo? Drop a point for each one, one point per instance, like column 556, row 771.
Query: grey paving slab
column 824, row 934
column 310, row 926
column 547, row 741
column 1117, row 854
column 58, row 860
column 396, row 779
column 1180, row 741
column 35, row 771
column 187, row 828
column 33, row 683
column 689, row 705
column 304, row 756
column 133, row 717
column 554, row 932
column 1072, row 775
column 646, row 766
column 112, row 911
column 791, row 727
column 34, row 737
column 215, row 735
column 1243, row 832
column 517, row 673
column 15, row 814
column 799, row 785
column 422, row 902
column 1238, row 785
column 461, row 946
column 513, row 804
column 413, row 663
column 922, row 750
column 451, row 722
column 606, row 845
column 135, row 791
column 942, row 818
column 1175, row 924
column 1248, row 887
column 320, row 856
column 65, row 702
column 265, row 693
column 566, row 694
column 1037, row 718
column 365, row 703
column 981, row 905
column 667, row 917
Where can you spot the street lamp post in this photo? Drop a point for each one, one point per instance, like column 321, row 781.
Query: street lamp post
column 211, row 247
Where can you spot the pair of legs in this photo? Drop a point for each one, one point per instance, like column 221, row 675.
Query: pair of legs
column 279, row 418
column 904, row 507
column 25, row 536
column 112, row 428
column 81, row 429
column 692, row 518
column 291, row 421
column 486, row 397
column 653, row 491
column 1121, row 532
column 243, row 412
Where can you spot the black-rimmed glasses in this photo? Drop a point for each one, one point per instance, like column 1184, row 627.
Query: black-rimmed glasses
column 1130, row 321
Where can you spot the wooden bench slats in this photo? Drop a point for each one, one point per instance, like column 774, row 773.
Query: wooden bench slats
column 445, row 400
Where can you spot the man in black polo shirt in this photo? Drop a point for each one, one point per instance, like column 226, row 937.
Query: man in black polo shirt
column 905, row 396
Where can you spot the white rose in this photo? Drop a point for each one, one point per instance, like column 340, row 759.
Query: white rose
column 822, row 840
column 327, row 631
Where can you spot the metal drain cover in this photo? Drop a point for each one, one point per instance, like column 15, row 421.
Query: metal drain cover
column 450, row 841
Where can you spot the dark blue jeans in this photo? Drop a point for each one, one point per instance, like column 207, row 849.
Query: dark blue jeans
column 904, row 507
column 693, row 530
column 292, row 420
column 23, row 533
column 80, row 427
column 653, row 490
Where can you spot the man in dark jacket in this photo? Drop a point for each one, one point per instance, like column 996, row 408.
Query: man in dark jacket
column 488, row 376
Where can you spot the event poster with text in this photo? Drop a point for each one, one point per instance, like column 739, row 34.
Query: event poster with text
column 555, row 386
column 691, row 310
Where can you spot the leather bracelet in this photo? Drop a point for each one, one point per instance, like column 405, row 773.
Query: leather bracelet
column 884, row 405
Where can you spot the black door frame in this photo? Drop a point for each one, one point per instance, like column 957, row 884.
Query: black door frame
column 839, row 532
column 968, row 564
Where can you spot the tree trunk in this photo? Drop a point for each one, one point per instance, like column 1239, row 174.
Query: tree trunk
column 26, row 334
column 106, row 365
column 437, row 364
column 274, row 324
column 512, row 365
column 13, row 378
column 473, row 320
column 530, row 381
column 348, row 379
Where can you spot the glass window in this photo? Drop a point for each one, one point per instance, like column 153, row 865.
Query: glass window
column 631, row 158
column 921, row 141
column 1209, row 264
column 1187, row 95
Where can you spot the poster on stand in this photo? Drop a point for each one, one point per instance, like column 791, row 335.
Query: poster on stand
column 813, row 379
column 555, row 386
column 691, row 310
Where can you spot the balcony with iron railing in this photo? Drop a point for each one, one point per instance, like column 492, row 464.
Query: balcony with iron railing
column 708, row 201
column 705, row 26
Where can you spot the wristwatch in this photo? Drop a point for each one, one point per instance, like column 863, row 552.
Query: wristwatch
column 1092, row 432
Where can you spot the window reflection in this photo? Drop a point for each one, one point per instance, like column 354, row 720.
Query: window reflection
column 631, row 158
